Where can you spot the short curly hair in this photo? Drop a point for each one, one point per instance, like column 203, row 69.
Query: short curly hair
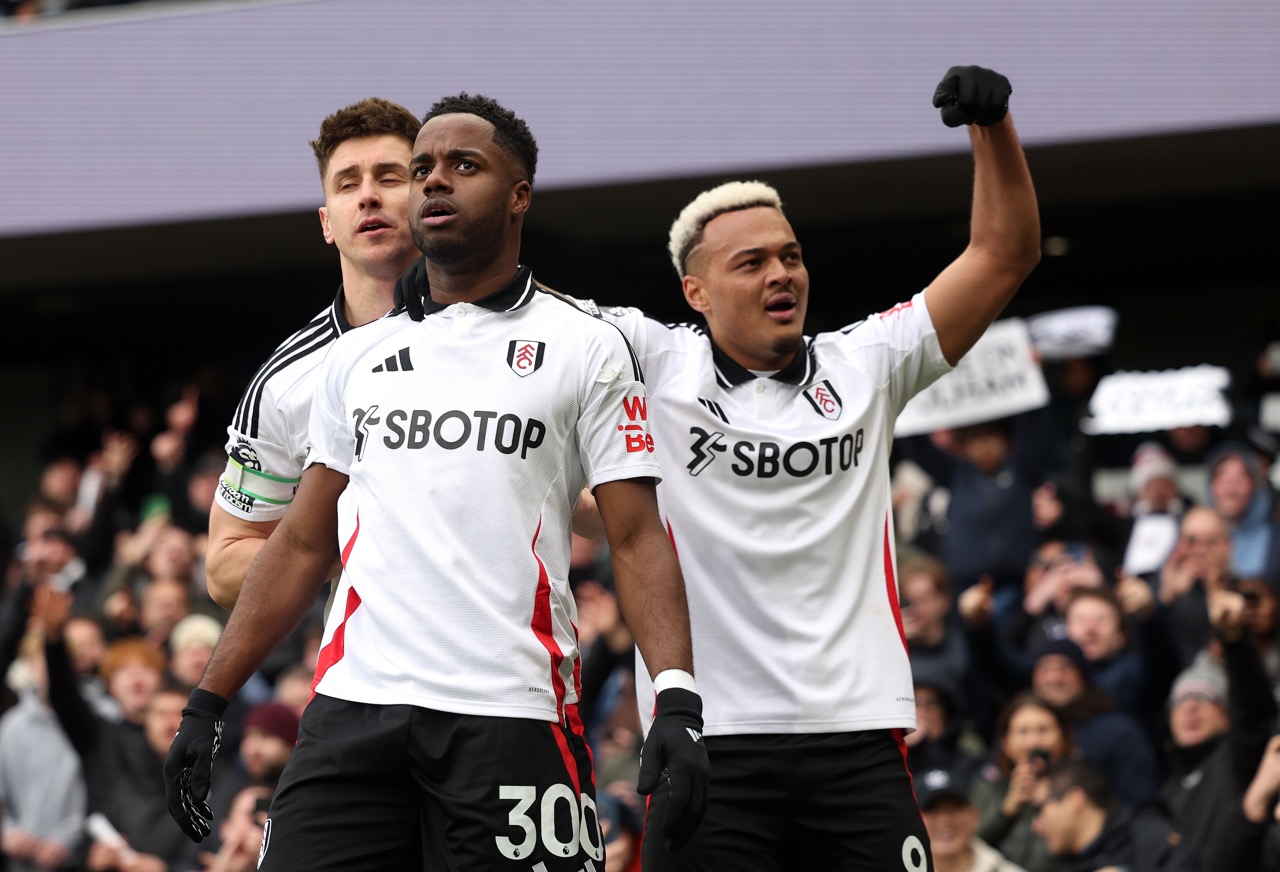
column 509, row 131
column 372, row 116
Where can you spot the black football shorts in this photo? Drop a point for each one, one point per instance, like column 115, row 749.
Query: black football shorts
column 402, row 788
column 839, row 802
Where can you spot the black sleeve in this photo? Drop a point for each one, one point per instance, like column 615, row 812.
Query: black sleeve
column 13, row 623
column 599, row 663
column 1250, row 707
column 78, row 720
column 1238, row 845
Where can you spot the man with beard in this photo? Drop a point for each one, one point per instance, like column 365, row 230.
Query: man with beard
column 449, row 444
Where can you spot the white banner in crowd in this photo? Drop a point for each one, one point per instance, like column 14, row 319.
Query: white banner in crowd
column 997, row 378
column 1144, row 402
column 1081, row 331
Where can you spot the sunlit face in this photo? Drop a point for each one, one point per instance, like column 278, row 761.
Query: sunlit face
column 1195, row 719
column 162, row 720
column 1095, row 626
column 1232, row 488
column 952, row 824
column 365, row 211
column 748, row 279
column 60, row 481
column 925, row 608
column 165, row 601
column 188, row 663
column 1204, row 536
column 1030, row 729
column 85, row 643
column 467, row 194
column 132, row 685
column 1056, row 680
column 173, row 553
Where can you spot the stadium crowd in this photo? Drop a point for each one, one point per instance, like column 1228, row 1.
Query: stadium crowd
column 1091, row 672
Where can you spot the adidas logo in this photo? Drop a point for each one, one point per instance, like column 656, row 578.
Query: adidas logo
column 693, row 734
column 398, row 362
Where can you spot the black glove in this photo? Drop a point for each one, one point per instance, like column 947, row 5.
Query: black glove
column 188, row 767
column 675, row 751
column 972, row 95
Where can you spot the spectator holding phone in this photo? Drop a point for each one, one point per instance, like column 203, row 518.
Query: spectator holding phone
column 1030, row 734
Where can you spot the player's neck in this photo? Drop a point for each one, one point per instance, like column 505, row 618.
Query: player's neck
column 467, row 282
column 366, row 298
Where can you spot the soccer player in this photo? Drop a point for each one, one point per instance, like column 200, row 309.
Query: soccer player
column 449, row 444
column 363, row 153
column 776, row 451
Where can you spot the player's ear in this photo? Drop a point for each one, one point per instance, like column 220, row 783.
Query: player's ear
column 324, row 225
column 521, row 196
column 695, row 294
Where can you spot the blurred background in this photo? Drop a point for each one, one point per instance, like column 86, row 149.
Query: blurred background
column 158, row 196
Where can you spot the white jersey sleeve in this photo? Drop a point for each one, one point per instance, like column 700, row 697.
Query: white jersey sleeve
column 617, row 386
column 898, row 348
column 267, row 439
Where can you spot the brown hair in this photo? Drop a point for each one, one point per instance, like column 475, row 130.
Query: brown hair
column 923, row 564
column 1102, row 594
column 1027, row 699
column 127, row 652
column 370, row 117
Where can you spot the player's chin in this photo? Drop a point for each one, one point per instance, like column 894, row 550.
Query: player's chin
column 788, row 343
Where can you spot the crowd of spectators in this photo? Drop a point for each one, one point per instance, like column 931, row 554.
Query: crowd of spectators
column 1054, row 654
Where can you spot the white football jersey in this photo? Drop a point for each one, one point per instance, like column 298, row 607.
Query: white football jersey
column 267, row 439
column 776, row 497
column 467, row 437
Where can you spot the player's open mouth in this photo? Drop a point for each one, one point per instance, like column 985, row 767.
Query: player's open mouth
column 436, row 213
column 781, row 307
column 373, row 225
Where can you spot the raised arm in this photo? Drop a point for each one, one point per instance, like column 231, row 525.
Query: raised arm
column 1004, row 229
column 280, row 587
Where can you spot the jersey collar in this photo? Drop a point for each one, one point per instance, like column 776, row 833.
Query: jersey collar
column 413, row 287
column 730, row 373
column 338, row 312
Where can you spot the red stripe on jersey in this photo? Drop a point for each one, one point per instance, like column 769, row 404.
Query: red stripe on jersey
column 671, row 534
column 332, row 653
column 900, row 739
column 542, row 625
column 351, row 543
column 892, row 584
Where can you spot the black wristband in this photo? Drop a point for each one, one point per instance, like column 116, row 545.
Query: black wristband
column 205, row 703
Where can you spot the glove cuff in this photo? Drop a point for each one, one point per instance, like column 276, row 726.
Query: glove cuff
column 205, row 703
column 677, row 699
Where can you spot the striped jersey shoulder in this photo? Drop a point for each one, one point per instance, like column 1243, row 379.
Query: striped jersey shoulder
column 588, row 307
column 292, row 360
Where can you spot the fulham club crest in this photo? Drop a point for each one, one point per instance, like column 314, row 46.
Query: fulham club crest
column 524, row 356
column 825, row 401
